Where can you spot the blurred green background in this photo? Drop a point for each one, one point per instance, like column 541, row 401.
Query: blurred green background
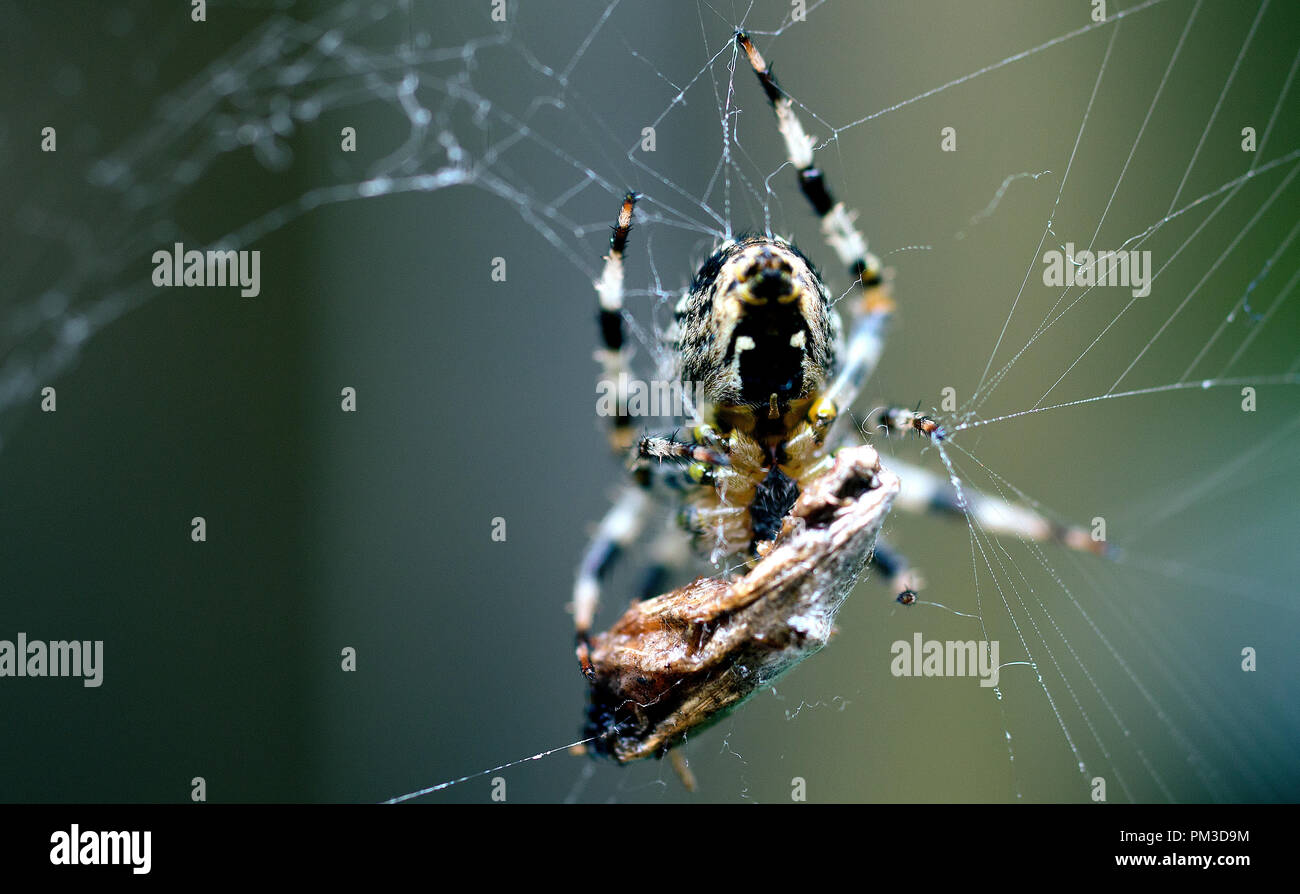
column 476, row 399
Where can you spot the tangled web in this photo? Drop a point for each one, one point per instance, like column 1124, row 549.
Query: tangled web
column 973, row 141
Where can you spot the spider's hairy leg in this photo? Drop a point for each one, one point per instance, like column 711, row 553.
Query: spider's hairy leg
column 670, row 447
column 715, row 492
column 927, row 492
column 613, row 354
column 680, row 465
column 837, row 221
column 869, row 315
column 617, row 530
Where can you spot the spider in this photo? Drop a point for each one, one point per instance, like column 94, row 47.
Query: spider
column 764, row 476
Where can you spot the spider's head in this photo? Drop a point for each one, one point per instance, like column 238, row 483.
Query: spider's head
column 756, row 329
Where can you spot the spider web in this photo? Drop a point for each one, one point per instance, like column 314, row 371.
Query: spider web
column 480, row 140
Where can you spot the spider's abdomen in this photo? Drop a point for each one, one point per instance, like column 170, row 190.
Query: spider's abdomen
column 756, row 329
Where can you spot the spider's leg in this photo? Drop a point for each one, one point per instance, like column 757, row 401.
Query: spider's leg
column 903, row 420
column 670, row 554
column 617, row 530
column 661, row 447
column 869, row 315
column 692, row 466
column 927, row 492
column 899, row 574
column 613, row 353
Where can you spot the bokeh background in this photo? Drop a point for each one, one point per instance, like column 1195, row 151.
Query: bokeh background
column 476, row 399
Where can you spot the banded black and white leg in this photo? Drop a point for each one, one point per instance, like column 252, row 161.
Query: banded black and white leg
column 868, row 316
column 622, row 525
column 926, row 492
column 624, row 520
column 668, row 457
column 619, row 528
column 613, row 353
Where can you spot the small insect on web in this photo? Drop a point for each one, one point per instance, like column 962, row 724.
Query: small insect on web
column 767, row 475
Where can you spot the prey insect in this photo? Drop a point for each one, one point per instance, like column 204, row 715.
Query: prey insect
column 770, row 483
